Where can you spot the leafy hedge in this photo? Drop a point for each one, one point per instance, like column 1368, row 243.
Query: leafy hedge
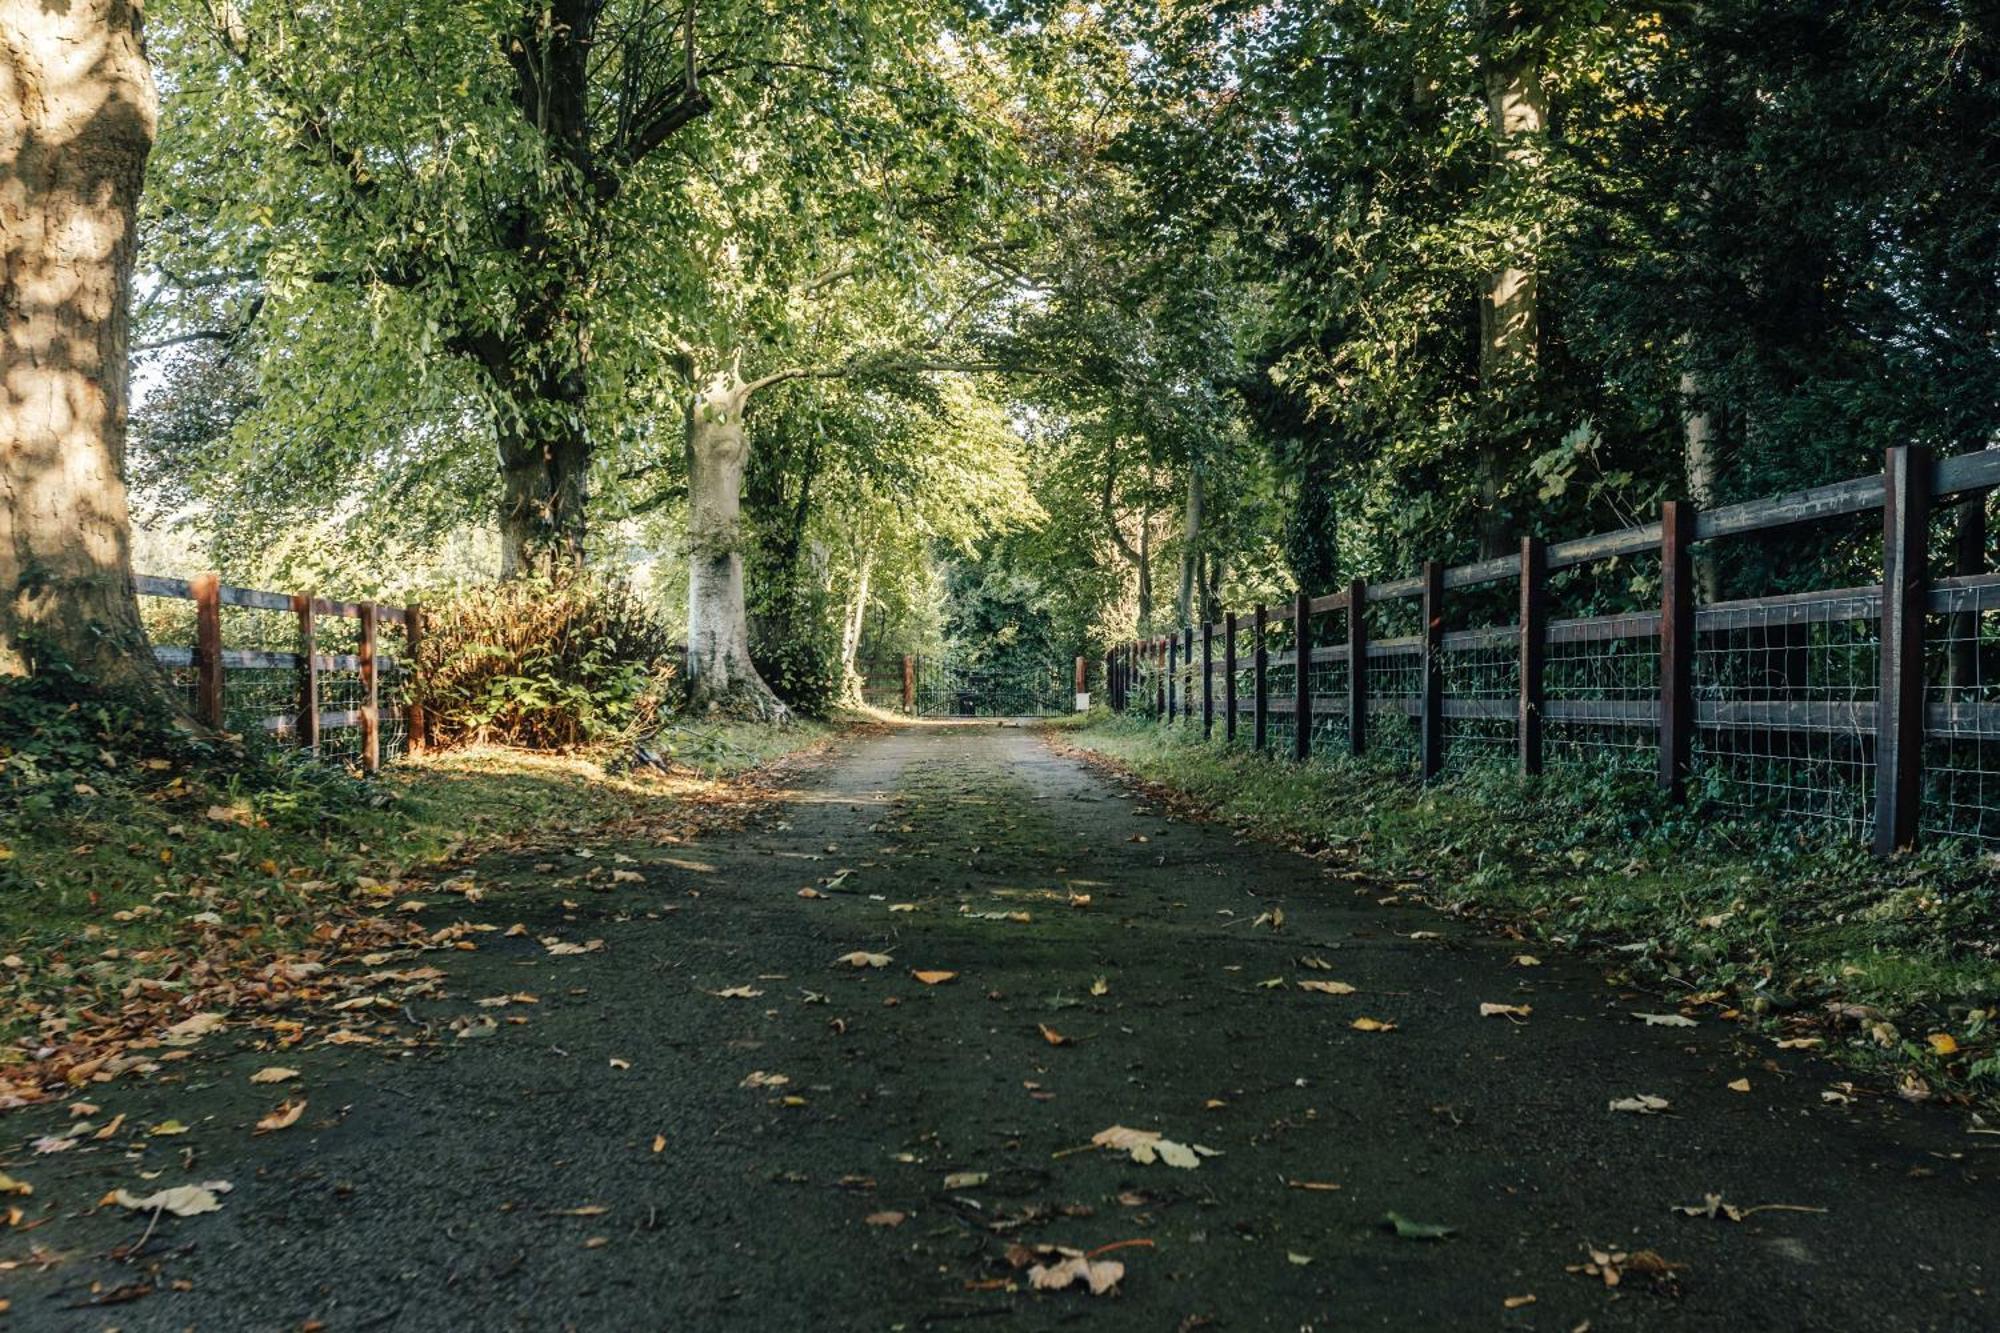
column 547, row 665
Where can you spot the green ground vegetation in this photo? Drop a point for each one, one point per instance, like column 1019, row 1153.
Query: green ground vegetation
column 1898, row 961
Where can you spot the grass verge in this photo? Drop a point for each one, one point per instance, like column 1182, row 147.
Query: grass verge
column 151, row 875
column 1895, row 966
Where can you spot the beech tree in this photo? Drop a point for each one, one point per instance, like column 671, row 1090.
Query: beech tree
column 77, row 116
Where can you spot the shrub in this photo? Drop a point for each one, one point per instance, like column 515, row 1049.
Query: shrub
column 547, row 665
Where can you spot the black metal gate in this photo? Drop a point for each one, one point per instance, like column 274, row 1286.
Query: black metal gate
column 947, row 688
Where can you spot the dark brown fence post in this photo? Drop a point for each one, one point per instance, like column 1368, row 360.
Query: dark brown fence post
column 1207, row 679
column 1431, row 738
column 1302, row 711
column 1229, row 676
column 371, row 711
column 1899, row 706
column 1173, row 667
column 1082, row 678
column 909, row 683
column 419, row 725
column 307, row 725
column 207, row 589
column 1260, row 686
column 1676, row 646
column 1357, row 667
column 1534, row 632
column 1187, row 673
column 1160, row 678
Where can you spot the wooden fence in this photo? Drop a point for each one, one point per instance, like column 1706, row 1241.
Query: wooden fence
column 1875, row 709
column 315, row 671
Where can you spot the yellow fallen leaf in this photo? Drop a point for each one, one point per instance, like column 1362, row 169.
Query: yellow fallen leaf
column 934, row 978
column 274, row 1074
column 1527, row 960
column 284, row 1117
column 9, row 1185
column 1100, row 987
column 117, row 1123
column 167, row 1128
column 1943, row 1043
column 811, row 893
column 659, row 1143
column 902, row 907
column 1371, row 1025
column 1740, row 1085
column 1516, row 1302
column 860, row 959
column 1504, row 1011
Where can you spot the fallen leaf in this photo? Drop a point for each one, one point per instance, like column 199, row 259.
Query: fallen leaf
column 274, row 1074
column 659, row 1143
column 1612, row 1266
column 902, row 907
column 1315, row 963
column 1051, row 1036
column 1320, row 1186
column 1504, row 1011
column 167, row 1128
column 188, row 1029
column 1294, row 1257
column 1371, row 1025
column 1424, row 935
column 737, row 993
column 1327, row 987
column 1801, row 1043
column 581, row 1210
column 117, row 1123
column 1740, row 1085
column 1100, row 987
column 964, row 1180
column 757, row 1078
column 1642, row 1104
column 1516, row 1302
column 568, row 949
column 1409, row 1230
column 934, row 978
column 1527, row 960
column 860, row 959
column 181, row 1200
column 1665, row 1020
column 811, row 893
column 1100, row 1276
column 284, row 1117
column 9, row 1185
column 1146, row 1146
column 617, row 1063
column 50, row 1143
column 886, row 1219
column 1943, row 1043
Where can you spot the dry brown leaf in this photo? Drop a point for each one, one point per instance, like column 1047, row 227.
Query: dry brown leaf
column 274, row 1074
column 1051, row 1036
column 1320, row 1186
column 934, row 978
column 737, row 993
column 757, row 1078
column 889, row 1218
column 1327, row 987
column 181, row 1200
column 1740, row 1085
column 1641, row 1104
column 1099, row 1275
column 1504, row 1011
column 1516, row 1302
column 284, row 1117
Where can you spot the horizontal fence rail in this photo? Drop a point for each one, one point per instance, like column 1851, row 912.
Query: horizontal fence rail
column 308, row 669
column 1873, row 710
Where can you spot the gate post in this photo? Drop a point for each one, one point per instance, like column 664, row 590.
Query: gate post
column 1260, row 693
column 1899, row 700
column 306, row 729
column 371, row 699
column 909, row 684
column 1207, row 679
column 1229, row 676
column 1082, row 678
column 1173, row 665
column 1302, row 711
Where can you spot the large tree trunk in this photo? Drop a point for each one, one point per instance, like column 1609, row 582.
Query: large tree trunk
column 77, row 114
column 721, row 678
column 543, row 491
column 1509, row 317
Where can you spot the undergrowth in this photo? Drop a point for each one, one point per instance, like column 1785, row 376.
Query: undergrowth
column 1899, row 960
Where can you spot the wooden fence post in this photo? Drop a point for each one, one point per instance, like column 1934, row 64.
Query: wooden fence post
column 1534, row 631
column 1899, row 702
column 1302, row 712
column 1082, row 679
column 418, row 722
column 1229, row 676
column 1260, row 687
column 1173, row 667
column 1968, row 556
column 207, row 589
column 1431, row 738
column 1357, row 667
column 909, row 683
column 307, row 724
column 1676, row 646
column 1207, row 679
column 1160, row 679
column 1187, row 673
column 371, row 711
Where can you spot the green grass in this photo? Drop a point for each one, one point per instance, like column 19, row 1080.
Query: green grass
column 110, row 876
column 1777, row 922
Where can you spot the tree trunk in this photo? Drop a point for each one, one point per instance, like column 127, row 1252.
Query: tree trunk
column 850, row 630
column 1509, row 317
column 543, row 490
column 721, row 678
column 77, row 115
column 1703, row 471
